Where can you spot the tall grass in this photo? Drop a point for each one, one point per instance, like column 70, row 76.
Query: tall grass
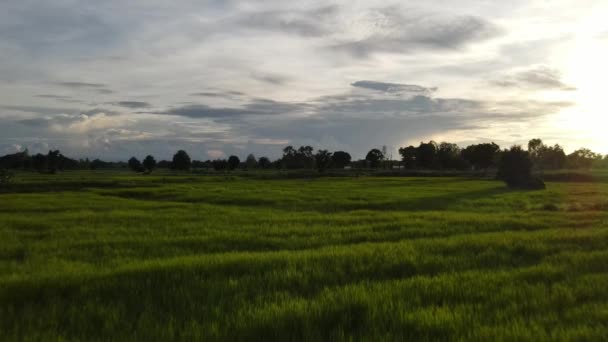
column 113, row 256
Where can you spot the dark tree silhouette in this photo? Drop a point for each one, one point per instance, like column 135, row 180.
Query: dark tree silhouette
column 449, row 156
column 19, row 160
column 323, row 160
column 53, row 160
column 408, row 156
column 515, row 169
column 149, row 163
column 264, row 163
column 340, row 159
column 135, row 164
column 163, row 164
column 233, row 162
column 374, row 157
column 251, row 162
column 219, row 164
column 481, row 156
column 181, row 161
column 39, row 162
column 298, row 159
column 426, row 155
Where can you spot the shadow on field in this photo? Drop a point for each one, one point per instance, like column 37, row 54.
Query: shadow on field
column 68, row 186
column 312, row 202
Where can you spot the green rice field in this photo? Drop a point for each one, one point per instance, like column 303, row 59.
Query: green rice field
column 113, row 256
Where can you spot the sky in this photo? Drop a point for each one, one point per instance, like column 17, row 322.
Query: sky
column 113, row 79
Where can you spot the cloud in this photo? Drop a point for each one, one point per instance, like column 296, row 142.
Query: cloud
column 97, row 87
column 57, row 97
column 223, row 94
column 81, row 85
column 40, row 109
column 132, row 104
column 270, row 78
column 215, row 154
column 392, row 87
column 541, row 77
column 357, row 106
column 306, row 23
column 418, row 32
column 204, row 111
column 256, row 107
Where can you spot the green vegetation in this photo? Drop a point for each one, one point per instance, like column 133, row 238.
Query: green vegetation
column 123, row 256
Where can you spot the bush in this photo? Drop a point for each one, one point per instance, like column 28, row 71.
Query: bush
column 516, row 170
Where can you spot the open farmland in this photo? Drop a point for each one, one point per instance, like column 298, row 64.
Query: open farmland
column 115, row 256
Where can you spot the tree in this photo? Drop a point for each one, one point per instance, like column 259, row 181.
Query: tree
column 181, row 161
column 340, row 159
column 426, row 155
column 149, row 163
column 449, row 156
column 251, row 162
column 233, row 162
column 135, row 164
column 515, row 169
column 264, row 163
column 374, row 157
column 219, row 164
column 534, row 148
column 39, row 162
column 323, row 160
column 19, row 160
column 481, row 156
column 582, row 158
column 53, row 160
column 298, row 159
column 408, row 156
column 305, row 157
column 546, row 157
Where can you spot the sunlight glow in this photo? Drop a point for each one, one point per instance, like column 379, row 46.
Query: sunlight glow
column 587, row 70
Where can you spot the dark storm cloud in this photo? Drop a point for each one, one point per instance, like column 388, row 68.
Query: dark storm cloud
column 392, row 87
column 132, row 104
column 409, row 34
column 541, row 78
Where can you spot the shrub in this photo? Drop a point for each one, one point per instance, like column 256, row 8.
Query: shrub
column 516, row 170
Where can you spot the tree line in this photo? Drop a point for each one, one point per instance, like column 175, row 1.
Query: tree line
column 426, row 156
